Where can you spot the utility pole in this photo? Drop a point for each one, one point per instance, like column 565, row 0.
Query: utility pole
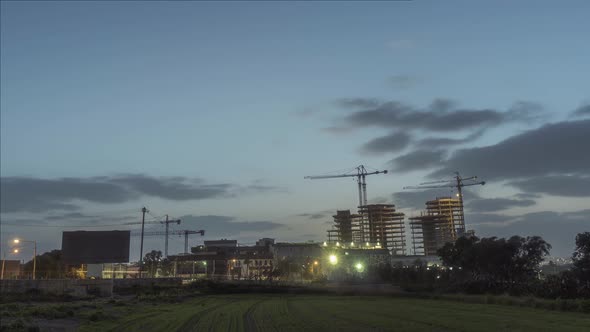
column 143, row 211
column 166, row 242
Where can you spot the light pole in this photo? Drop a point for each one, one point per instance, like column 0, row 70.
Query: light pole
column 3, row 262
column 17, row 241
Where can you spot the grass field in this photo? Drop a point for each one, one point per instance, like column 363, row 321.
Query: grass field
column 330, row 313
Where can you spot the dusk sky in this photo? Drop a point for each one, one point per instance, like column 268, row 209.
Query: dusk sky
column 214, row 112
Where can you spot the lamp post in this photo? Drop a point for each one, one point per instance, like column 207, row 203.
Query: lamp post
column 3, row 262
column 17, row 241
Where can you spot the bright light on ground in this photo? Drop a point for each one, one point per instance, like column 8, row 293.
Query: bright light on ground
column 333, row 259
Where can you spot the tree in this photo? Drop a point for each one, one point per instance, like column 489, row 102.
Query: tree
column 495, row 262
column 151, row 261
column 581, row 259
column 49, row 265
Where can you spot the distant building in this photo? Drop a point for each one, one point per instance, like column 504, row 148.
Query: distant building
column 221, row 243
column 296, row 251
column 265, row 242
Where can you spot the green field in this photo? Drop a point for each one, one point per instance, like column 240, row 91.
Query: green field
column 331, row 313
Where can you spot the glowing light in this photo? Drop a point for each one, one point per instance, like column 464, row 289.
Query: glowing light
column 359, row 267
column 457, row 194
column 337, row 244
column 15, row 251
column 205, row 263
column 16, row 241
column 333, row 259
column 315, row 263
column 367, row 244
column 352, row 244
column 325, row 244
column 346, row 253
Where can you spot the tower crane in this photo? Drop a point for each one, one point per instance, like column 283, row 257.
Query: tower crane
column 185, row 232
column 167, row 222
column 456, row 182
column 361, row 173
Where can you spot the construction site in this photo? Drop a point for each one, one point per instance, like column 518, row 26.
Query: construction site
column 374, row 226
column 377, row 226
column 441, row 222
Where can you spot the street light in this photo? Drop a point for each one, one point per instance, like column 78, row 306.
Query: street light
column 17, row 241
column 359, row 267
column 333, row 259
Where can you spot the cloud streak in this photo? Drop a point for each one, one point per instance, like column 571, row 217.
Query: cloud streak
column 27, row 194
column 217, row 226
column 417, row 160
column 497, row 204
column 393, row 142
column 559, row 229
column 548, row 150
column 440, row 116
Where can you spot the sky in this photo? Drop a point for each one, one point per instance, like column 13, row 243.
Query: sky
column 213, row 113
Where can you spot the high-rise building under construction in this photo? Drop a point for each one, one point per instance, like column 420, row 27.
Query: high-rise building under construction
column 375, row 226
column 346, row 227
column 442, row 222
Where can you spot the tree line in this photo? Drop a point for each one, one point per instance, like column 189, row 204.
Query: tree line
column 497, row 265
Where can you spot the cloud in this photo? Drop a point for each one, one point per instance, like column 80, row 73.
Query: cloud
column 393, row 142
column 438, row 142
column 527, row 195
column 559, row 229
column 313, row 216
column 583, row 110
column 440, row 116
column 358, row 102
column 37, row 195
column 416, row 160
column 402, row 81
column 557, row 148
column 378, row 200
column 557, row 185
column 338, row 130
column 218, row 226
column 25, row 194
column 497, row 204
column 70, row 216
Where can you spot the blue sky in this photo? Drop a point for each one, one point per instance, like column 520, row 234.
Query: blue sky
column 241, row 93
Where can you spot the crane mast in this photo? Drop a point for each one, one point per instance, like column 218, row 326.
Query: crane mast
column 361, row 173
column 456, row 182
